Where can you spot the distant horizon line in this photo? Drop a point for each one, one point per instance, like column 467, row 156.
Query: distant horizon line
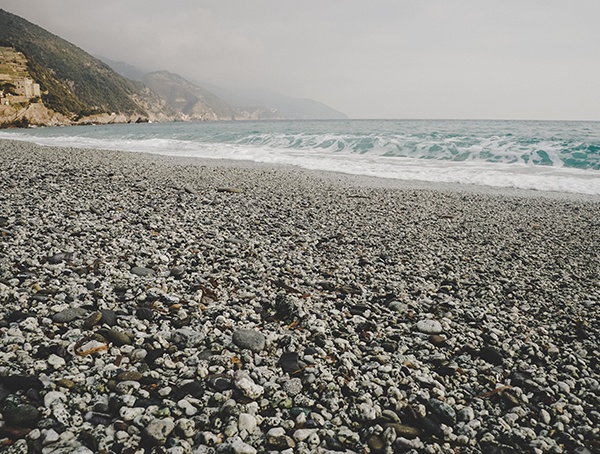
column 413, row 119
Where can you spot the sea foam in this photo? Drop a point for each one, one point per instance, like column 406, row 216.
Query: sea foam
column 546, row 156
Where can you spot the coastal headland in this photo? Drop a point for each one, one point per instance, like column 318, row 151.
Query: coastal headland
column 182, row 305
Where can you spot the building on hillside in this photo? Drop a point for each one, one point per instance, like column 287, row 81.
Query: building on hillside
column 27, row 88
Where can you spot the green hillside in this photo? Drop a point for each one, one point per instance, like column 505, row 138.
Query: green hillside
column 72, row 81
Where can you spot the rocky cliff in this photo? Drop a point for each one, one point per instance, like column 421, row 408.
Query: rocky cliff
column 45, row 80
column 74, row 87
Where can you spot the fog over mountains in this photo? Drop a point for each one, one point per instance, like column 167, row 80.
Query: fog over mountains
column 249, row 104
column 46, row 80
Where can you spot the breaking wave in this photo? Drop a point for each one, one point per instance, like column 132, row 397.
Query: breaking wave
column 543, row 155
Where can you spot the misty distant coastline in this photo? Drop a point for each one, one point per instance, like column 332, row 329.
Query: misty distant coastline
column 48, row 81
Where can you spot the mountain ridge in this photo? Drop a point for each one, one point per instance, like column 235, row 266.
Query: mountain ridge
column 252, row 105
column 74, row 87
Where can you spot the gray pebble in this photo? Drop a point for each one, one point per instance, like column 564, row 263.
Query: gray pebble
column 69, row 314
column 249, row 339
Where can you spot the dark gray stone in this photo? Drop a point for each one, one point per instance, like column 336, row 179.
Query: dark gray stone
column 22, row 415
column 68, row 315
column 249, row 339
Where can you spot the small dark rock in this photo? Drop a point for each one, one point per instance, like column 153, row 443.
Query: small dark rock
column 358, row 309
column 144, row 313
column 389, row 346
column 21, row 382
column 403, row 430
column 61, row 257
column 445, row 371
column 68, row 315
column 249, row 339
column 177, row 271
column 491, row 355
column 92, row 320
column 431, row 427
column 442, row 411
column 108, row 317
column 376, row 443
column 290, row 363
column 510, row 399
column 194, row 389
column 116, row 337
column 99, row 418
column 153, row 355
column 437, row 339
column 334, row 444
column 219, row 382
column 22, row 416
column 17, row 316
column 519, row 378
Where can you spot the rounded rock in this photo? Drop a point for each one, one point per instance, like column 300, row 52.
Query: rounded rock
column 68, row 315
column 141, row 271
column 117, row 337
column 249, row 339
column 23, row 415
column 428, row 326
column 92, row 320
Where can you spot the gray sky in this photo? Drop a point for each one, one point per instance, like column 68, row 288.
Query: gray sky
column 500, row 59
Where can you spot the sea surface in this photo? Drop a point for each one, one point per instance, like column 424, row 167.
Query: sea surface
column 561, row 156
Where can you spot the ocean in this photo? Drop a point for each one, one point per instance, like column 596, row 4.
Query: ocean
column 561, row 156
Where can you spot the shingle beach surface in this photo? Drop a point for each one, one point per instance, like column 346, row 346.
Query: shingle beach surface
column 177, row 306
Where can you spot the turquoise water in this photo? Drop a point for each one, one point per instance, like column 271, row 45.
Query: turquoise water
column 543, row 155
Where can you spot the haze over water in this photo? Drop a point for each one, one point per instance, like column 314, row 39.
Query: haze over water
column 559, row 156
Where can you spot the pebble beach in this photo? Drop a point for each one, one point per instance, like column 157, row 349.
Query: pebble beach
column 153, row 304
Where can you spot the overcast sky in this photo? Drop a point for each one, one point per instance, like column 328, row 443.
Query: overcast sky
column 499, row 59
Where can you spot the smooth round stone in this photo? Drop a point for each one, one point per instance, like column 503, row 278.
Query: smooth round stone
column 437, row 340
column 68, row 315
column 117, row 337
column 399, row 307
column 249, row 339
column 141, row 271
column 144, row 313
column 109, row 317
column 247, row 422
column 428, row 326
column 177, row 271
column 50, row 436
column 92, row 320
